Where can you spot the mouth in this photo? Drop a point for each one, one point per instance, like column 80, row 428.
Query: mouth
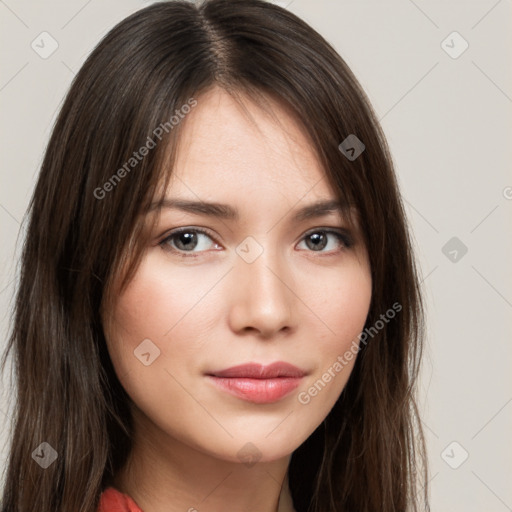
column 258, row 371
column 257, row 383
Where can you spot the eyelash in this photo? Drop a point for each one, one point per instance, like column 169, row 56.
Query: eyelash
column 344, row 238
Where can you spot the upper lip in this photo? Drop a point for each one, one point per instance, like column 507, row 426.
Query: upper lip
column 258, row 371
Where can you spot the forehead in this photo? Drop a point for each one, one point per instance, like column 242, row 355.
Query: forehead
column 241, row 149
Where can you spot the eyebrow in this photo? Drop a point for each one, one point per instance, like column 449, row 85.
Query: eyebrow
column 223, row 211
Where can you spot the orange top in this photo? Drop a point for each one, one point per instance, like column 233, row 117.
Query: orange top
column 112, row 500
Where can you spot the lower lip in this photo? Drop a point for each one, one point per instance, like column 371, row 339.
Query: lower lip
column 259, row 391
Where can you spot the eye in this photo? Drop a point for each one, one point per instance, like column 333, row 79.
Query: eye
column 319, row 239
column 186, row 240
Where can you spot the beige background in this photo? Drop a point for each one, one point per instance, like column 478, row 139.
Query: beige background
column 448, row 121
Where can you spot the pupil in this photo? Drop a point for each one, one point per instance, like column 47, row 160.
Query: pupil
column 190, row 240
column 318, row 239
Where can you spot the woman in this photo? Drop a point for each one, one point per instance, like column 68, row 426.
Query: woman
column 218, row 302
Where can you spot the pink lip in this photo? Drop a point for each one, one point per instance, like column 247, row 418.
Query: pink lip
column 259, row 384
column 258, row 371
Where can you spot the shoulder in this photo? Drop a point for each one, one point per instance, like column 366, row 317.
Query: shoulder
column 112, row 500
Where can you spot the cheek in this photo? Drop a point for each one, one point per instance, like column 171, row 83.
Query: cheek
column 342, row 302
column 343, row 309
column 159, row 299
column 158, row 311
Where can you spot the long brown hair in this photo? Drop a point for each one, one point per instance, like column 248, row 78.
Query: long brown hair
column 84, row 231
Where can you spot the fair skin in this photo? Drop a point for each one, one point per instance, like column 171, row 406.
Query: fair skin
column 214, row 310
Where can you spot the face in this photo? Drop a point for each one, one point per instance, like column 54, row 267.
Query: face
column 261, row 287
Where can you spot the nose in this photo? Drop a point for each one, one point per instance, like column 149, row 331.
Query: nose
column 262, row 298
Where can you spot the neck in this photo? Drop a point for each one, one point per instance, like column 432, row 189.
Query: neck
column 164, row 474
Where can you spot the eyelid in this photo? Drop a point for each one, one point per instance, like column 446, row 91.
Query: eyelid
column 327, row 229
column 185, row 229
column 343, row 235
column 177, row 231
